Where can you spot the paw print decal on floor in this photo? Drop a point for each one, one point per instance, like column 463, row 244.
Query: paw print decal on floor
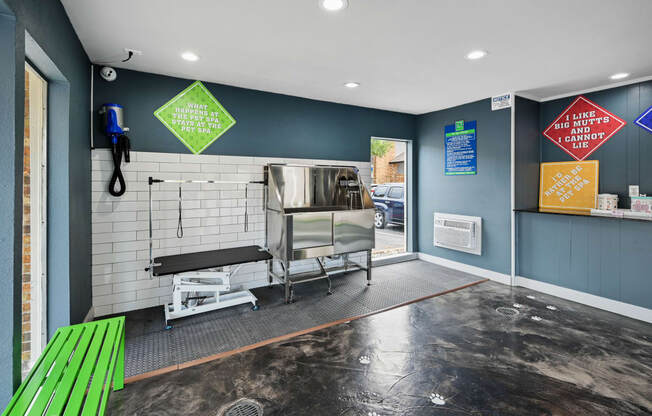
column 437, row 399
column 364, row 360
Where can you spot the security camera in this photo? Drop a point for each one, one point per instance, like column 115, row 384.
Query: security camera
column 108, row 73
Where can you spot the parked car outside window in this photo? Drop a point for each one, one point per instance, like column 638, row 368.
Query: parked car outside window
column 380, row 191
column 389, row 200
column 395, row 192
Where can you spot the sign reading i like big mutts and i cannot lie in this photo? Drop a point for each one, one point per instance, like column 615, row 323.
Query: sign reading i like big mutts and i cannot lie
column 582, row 128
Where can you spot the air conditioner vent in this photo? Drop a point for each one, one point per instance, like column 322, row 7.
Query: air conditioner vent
column 463, row 225
column 458, row 232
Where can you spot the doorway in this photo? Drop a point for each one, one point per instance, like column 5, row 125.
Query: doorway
column 34, row 264
column 389, row 191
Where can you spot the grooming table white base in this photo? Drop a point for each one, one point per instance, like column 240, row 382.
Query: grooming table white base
column 209, row 284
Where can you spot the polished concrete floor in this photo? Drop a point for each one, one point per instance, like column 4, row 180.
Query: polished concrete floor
column 451, row 355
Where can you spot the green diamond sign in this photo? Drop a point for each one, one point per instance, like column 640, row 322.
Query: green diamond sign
column 195, row 117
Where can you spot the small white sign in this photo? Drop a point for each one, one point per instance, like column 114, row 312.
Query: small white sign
column 501, row 101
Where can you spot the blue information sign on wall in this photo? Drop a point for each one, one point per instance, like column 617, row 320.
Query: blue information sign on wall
column 461, row 148
column 645, row 120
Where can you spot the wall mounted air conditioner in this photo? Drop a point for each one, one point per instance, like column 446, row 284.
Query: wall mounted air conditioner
column 458, row 232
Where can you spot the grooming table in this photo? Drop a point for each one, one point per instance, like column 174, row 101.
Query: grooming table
column 202, row 273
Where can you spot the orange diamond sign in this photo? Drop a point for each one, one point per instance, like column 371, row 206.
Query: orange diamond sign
column 582, row 128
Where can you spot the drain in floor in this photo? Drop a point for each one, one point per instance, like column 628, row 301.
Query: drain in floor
column 242, row 407
column 507, row 311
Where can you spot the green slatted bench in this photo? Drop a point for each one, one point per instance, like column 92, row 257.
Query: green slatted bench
column 74, row 374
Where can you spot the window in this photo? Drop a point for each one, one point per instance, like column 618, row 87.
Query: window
column 380, row 191
column 396, row 192
column 34, row 267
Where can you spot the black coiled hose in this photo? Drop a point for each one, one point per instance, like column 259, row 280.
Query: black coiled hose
column 120, row 145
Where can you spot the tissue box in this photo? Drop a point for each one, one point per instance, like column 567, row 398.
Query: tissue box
column 642, row 204
column 607, row 202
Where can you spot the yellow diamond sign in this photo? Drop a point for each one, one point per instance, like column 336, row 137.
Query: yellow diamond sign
column 569, row 185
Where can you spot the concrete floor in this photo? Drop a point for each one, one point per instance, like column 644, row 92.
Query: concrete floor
column 450, row 355
column 392, row 236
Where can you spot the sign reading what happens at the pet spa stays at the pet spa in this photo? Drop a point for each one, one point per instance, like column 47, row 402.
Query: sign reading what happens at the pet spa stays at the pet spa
column 195, row 117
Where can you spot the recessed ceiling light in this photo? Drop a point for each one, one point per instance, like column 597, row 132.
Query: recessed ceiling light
column 473, row 55
column 190, row 56
column 352, row 84
column 619, row 75
column 333, row 5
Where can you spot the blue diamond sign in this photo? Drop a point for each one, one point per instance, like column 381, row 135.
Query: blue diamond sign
column 645, row 120
column 195, row 117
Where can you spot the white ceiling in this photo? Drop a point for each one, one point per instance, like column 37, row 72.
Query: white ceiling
column 408, row 55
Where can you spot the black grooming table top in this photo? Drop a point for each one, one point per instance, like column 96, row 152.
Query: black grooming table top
column 190, row 262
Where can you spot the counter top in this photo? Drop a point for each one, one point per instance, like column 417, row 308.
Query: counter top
column 586, row 214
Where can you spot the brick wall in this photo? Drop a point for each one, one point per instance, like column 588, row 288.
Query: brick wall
column 394, row 174
column 26, row 272
column 213, row 218
column 381, row 166
column 385, row 172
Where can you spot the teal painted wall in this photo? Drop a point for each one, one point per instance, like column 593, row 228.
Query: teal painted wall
column 604, row 257
column 10, row 278
column 267, row 124
column 69, row 270
column 527, row 153
column 626, row 158
column 486, row 194
column 601, row 256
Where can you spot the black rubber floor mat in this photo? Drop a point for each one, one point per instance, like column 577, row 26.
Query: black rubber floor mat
column 150, row 347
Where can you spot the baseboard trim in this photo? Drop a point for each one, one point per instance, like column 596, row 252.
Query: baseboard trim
column 610, row 305
column 90, row 315
column 477, row 271
column 395, row 258
column 621, row 308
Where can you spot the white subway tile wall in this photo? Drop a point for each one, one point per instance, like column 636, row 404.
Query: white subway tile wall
column 213, row 218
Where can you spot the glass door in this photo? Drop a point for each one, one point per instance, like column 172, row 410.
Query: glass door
column 389, row 193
